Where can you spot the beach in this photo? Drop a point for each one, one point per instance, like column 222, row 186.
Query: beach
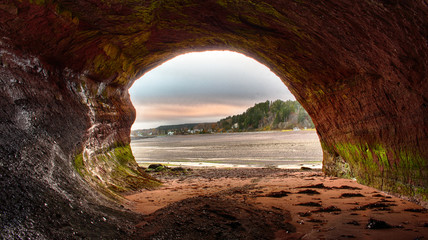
column 280, row 149
column 270, row 203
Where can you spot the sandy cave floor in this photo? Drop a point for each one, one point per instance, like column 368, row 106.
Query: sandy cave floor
column 272, row 204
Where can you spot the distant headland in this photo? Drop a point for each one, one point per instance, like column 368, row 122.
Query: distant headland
column 264, row 116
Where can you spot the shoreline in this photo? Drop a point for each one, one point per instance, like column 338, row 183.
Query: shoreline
column 311, row 206
column 209, row 133
column 208, row 165
column 292, row 149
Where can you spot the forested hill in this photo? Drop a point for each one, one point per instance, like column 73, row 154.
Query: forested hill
column 269, row 116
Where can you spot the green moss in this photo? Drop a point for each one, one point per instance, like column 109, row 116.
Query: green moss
column 116, row 171
column 124, row 155
column 401, row 171
column 160, row 169
column 79, row 165
column 422, row 193
column 147, row 13
column 124, row 169
column 113, row 61
column 39, row 2
column 116, row 188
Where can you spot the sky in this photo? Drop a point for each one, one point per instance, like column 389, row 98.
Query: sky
column 203, row 87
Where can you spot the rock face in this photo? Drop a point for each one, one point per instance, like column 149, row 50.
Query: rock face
column 358, row 67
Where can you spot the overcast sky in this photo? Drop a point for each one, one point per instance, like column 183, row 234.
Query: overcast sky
column 203, row 87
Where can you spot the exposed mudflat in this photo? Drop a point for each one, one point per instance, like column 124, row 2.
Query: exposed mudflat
column 271, row 204
column 290, row 149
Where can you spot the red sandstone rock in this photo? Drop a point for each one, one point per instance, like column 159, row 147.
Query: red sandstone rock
column 358, row 67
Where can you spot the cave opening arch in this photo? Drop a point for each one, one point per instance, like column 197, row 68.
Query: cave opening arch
column 358, row 67
column 197, row 90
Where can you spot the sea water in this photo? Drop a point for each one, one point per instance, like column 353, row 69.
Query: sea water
column 289, row 149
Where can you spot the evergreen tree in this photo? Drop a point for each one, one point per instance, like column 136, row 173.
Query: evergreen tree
column 278, row 111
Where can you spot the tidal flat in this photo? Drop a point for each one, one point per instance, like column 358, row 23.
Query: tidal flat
column 279, row 149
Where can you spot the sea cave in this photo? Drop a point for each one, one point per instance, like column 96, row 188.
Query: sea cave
column 359, row 68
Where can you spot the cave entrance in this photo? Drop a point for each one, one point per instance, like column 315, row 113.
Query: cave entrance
column 220, row 109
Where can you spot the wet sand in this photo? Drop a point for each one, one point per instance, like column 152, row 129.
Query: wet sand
column 272, row 204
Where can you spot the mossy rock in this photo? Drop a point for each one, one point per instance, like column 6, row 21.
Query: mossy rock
column 117, row 170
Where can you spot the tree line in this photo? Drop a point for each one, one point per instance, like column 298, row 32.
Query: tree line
column 269, row 115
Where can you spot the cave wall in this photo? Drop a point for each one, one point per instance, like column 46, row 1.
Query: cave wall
column 44, row 123
column 358, row 67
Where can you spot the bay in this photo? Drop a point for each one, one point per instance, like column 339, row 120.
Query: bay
column 282, row 149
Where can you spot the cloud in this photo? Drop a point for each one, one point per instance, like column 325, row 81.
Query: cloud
column 204, row 84
column 156, row 112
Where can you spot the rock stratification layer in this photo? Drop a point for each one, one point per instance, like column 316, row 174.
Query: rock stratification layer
column 358, row 67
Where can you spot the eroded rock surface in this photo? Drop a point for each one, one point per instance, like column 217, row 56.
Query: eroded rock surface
column 358, row 67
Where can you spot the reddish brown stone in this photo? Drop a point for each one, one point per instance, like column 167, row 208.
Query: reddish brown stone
column 358, row 67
